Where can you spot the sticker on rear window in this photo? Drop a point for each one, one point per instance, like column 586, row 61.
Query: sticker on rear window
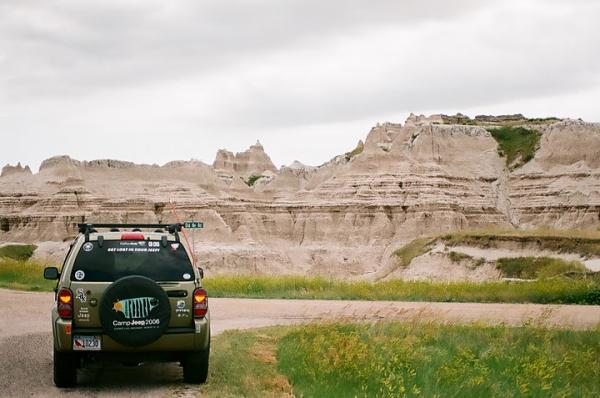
column 186, row 276
column 79, row 275
column 88, row 246
column 174, row 246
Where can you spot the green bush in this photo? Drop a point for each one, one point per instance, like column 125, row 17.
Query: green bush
column 252, row 180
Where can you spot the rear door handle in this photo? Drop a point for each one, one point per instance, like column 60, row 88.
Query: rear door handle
column 177, row 293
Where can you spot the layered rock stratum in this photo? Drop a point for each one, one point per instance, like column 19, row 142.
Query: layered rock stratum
column 343, row 218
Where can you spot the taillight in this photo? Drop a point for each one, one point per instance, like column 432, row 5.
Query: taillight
column 132, row 236
column 200, row 303
column 65, row 303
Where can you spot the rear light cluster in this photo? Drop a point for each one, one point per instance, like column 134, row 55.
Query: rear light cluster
column 200, row 303
column 132, row 236
column 64, row 303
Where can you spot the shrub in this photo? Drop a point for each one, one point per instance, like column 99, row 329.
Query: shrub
column 17, row 252
column 457, row 257
column 252, row 180
column 537, row 267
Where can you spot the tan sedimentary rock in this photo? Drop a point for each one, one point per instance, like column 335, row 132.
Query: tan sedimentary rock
column 253, row 161
column 343, row 218
column 18, row 169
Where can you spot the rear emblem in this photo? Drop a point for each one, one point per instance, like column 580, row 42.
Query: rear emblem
column 79, row 275
column 135, row 308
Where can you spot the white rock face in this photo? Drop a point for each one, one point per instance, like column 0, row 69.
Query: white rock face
column 343, row 218
column 15, row 170
column 253, row 161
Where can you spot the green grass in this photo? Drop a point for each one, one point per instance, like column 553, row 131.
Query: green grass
column 537, row 267
column 395, row 359
column 28, row 275
column 515, row 142
column 23, row 275
column 428, row 360
column 17, row 252
column 557, row 290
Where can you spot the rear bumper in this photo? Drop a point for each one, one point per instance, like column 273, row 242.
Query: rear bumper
column 174, row 339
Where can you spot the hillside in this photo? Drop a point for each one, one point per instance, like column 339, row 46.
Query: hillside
column 428, row 176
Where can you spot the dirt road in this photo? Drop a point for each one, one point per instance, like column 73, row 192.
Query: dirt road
column 26, row 344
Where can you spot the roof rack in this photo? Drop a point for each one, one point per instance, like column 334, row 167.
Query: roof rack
column 90, row 228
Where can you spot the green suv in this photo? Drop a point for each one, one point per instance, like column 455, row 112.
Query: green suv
column 131, row 296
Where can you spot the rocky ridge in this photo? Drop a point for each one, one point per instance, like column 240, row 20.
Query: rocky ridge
column 343, row 218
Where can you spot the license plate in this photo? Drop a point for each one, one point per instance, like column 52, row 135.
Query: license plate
column 87, row 343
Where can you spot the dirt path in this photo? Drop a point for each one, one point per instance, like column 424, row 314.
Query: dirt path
column 26, row 343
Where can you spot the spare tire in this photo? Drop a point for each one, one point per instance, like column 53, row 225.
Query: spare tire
column 135, row 311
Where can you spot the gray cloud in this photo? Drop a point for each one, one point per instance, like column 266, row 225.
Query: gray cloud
column 72, row 46
column 223, row 73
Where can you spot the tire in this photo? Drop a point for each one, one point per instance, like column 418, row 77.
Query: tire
column 134, row 311
column 65, row 369
column 195, row 367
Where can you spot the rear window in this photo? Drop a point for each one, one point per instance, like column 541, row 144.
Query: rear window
column 116, row 259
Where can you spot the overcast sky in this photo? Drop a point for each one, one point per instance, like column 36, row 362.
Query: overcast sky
column 154, row 81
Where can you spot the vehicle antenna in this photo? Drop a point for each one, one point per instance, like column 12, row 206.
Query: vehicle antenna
column 185, row 235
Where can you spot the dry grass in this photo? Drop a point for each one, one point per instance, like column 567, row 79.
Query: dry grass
column 244, row 364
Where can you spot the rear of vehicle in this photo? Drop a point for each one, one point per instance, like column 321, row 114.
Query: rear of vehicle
column 130, row 296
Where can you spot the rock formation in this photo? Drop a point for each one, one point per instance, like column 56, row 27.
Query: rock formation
column 343, row 218
column 253, row 161
column 18, row 169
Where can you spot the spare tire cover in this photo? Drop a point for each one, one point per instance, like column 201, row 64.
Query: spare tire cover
column 135, row 311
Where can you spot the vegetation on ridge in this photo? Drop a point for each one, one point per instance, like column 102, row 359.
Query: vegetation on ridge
column 586, row 243
column 252, row 180
column 518, row 144
column 17, row 252
column 537, row 267
column 356, row 151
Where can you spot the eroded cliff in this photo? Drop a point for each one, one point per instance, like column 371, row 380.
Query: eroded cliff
column 343, row 218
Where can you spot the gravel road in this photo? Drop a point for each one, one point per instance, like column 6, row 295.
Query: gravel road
column 26, row 343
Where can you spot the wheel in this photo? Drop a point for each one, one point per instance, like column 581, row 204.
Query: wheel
column 134, row 298
column 65, row 369
column 195, row 367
